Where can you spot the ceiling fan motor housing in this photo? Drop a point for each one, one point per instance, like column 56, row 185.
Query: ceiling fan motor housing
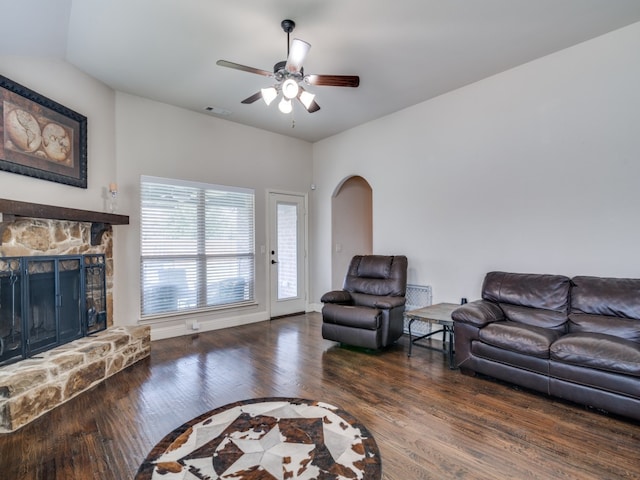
column 288, row 25
column 281, row 72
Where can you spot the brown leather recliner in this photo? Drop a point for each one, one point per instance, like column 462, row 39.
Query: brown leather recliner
column 368, row 311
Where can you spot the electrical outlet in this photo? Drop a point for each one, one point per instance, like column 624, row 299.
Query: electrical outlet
column 195, row 325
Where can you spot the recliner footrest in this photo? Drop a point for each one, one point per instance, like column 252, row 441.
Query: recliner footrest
column 351, row 316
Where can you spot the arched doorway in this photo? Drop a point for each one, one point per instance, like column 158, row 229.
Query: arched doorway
column 351, row 225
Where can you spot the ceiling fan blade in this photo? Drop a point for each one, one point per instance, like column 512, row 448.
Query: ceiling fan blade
column 244, row 68
column 333, row 80
column 253, row 98
column 297, row 54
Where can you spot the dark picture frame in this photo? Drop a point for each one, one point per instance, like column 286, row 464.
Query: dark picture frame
column 41, row 138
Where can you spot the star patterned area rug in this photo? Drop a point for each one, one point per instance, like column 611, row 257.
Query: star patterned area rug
column 266, row 439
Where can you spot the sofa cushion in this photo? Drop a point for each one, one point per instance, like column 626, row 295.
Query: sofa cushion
column 518, row 337
column 548, row 292
column 537, row 317
column 598, row 350
column 614, row 297
column 357, row 317
column 513, row 359
column 619, row 327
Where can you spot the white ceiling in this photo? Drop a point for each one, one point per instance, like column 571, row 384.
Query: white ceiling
column 405, row 51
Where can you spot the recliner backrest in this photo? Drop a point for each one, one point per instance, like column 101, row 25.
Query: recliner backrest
column 381, row 275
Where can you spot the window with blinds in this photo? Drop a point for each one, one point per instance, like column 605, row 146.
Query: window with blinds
column 197, row 246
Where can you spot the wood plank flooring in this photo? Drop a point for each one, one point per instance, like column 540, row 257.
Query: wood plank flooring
column 429, row 422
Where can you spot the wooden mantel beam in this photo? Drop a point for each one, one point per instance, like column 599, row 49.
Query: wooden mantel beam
column 11, row 210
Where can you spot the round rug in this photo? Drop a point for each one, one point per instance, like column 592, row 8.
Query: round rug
column 265, row 439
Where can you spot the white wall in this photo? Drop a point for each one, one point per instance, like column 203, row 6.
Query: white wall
column 160, row 140
column 63, row 83
column 533, row 170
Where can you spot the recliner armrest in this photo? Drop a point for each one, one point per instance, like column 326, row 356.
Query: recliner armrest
column 387, row 303
column 478, row 313
column 384, row 302
column 337, row 296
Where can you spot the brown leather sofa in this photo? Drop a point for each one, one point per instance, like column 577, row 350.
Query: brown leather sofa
column 576, row 339
column 368, row 311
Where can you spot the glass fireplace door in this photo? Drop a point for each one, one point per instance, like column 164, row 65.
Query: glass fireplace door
column 70, row 301
column 53, row 302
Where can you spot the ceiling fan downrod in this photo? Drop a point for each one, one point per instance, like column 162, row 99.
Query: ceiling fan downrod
column 288, row 26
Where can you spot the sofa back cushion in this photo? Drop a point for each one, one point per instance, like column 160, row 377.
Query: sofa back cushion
column 606, row 305
column 535, row 299
column 615, row 297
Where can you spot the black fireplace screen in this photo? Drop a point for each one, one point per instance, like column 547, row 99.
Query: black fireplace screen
column 49, row 301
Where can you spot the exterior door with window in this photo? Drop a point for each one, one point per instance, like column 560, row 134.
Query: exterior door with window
column 287, row 253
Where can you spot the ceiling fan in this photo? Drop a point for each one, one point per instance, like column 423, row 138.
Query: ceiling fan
column 290, row 77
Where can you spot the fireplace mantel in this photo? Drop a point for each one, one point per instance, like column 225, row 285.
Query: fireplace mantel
column 11, row 210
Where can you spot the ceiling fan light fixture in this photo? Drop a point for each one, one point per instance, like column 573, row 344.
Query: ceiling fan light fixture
column 285, row 106
column 290, row 88
column 306, row 98
column 269, row 94
column 297, row 54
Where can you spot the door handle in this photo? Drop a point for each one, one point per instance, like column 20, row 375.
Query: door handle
column 273, row 262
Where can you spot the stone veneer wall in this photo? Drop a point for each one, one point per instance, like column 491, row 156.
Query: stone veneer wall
column 38, row 237
column 35, row 386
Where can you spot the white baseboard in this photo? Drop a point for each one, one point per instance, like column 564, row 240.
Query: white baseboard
column 161, row 331
column 314, row 307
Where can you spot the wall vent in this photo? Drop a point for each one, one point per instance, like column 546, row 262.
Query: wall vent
column 417, row 296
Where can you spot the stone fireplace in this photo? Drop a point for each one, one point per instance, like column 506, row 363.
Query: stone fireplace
column 60, row 239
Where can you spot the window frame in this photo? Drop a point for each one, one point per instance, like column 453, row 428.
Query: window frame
column 201, row 258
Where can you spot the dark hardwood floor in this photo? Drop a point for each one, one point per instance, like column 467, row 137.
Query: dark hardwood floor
column 428, row 421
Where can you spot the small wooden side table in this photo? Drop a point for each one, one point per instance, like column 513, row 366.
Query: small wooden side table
column 439, row 314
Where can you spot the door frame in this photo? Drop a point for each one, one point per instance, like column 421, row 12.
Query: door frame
column 270, row 225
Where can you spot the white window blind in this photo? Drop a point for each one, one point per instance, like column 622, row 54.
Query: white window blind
column 197, row 246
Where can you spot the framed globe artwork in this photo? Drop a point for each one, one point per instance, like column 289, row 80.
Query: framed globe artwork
column 40, row 137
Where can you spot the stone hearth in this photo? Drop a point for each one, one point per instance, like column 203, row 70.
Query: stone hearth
column 36, row 385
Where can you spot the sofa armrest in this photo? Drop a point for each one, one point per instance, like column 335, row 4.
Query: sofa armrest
column 337, row 296
column 478, row 313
